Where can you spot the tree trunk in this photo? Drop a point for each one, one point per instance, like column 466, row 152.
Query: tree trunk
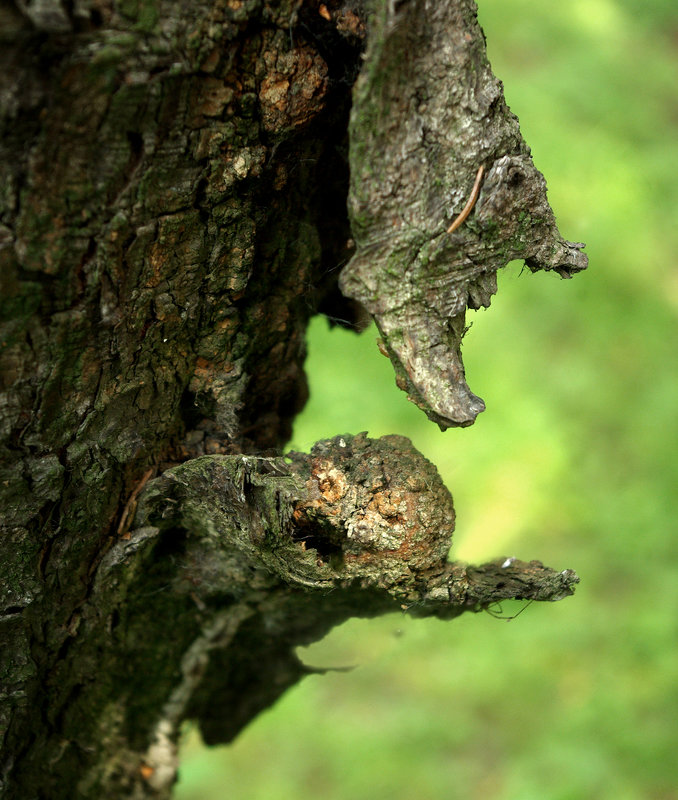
column 173, row 211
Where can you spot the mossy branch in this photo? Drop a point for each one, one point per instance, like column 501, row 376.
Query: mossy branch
column 271, row 553
column 361, row 512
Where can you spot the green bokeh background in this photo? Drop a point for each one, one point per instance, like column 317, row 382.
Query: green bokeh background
column 574, row 462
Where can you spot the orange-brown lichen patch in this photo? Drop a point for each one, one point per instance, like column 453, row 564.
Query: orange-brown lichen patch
column 280, row 180
column 293, row 89
column 391, row 528
column 389, row 504
column 349, row 22
column 331, row 481
column 380, row 502
column 202, row 363
column 205, row 369
column 212, row 98
column 273, row 92
column 157, row 259
column 225, row 325
column 300, row 513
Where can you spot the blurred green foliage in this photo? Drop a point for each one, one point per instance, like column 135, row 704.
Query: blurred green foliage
column 574, row 462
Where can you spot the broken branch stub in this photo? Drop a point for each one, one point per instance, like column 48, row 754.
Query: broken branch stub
column 427, row 114
column 356, row 511
column 364, row 523
column 278, row 551
column 373, row 511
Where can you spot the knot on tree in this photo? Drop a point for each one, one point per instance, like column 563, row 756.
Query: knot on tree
column 377, row 508
column 356, row 514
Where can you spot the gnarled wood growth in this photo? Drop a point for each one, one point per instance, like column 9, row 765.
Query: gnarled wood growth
column 428, row 118
column 173, row 211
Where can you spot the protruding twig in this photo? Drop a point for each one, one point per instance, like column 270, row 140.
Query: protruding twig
column 466, row 210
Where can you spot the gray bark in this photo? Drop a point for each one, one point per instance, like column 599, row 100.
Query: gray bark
column 427, row 115
column 173, row 211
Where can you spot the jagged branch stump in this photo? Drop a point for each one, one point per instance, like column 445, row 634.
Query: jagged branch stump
column 269, row 554
column 429, row 127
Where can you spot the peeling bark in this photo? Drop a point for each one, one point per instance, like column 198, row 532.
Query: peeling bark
column 427, row 114
column 173, row 185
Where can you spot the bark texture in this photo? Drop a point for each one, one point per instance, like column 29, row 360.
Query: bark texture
column 427, row 114
column 173, row 196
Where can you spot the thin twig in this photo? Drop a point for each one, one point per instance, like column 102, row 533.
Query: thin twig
column 470, row 202
column 131, row 505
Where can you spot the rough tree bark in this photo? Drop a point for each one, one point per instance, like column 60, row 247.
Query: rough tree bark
column 174, row 183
